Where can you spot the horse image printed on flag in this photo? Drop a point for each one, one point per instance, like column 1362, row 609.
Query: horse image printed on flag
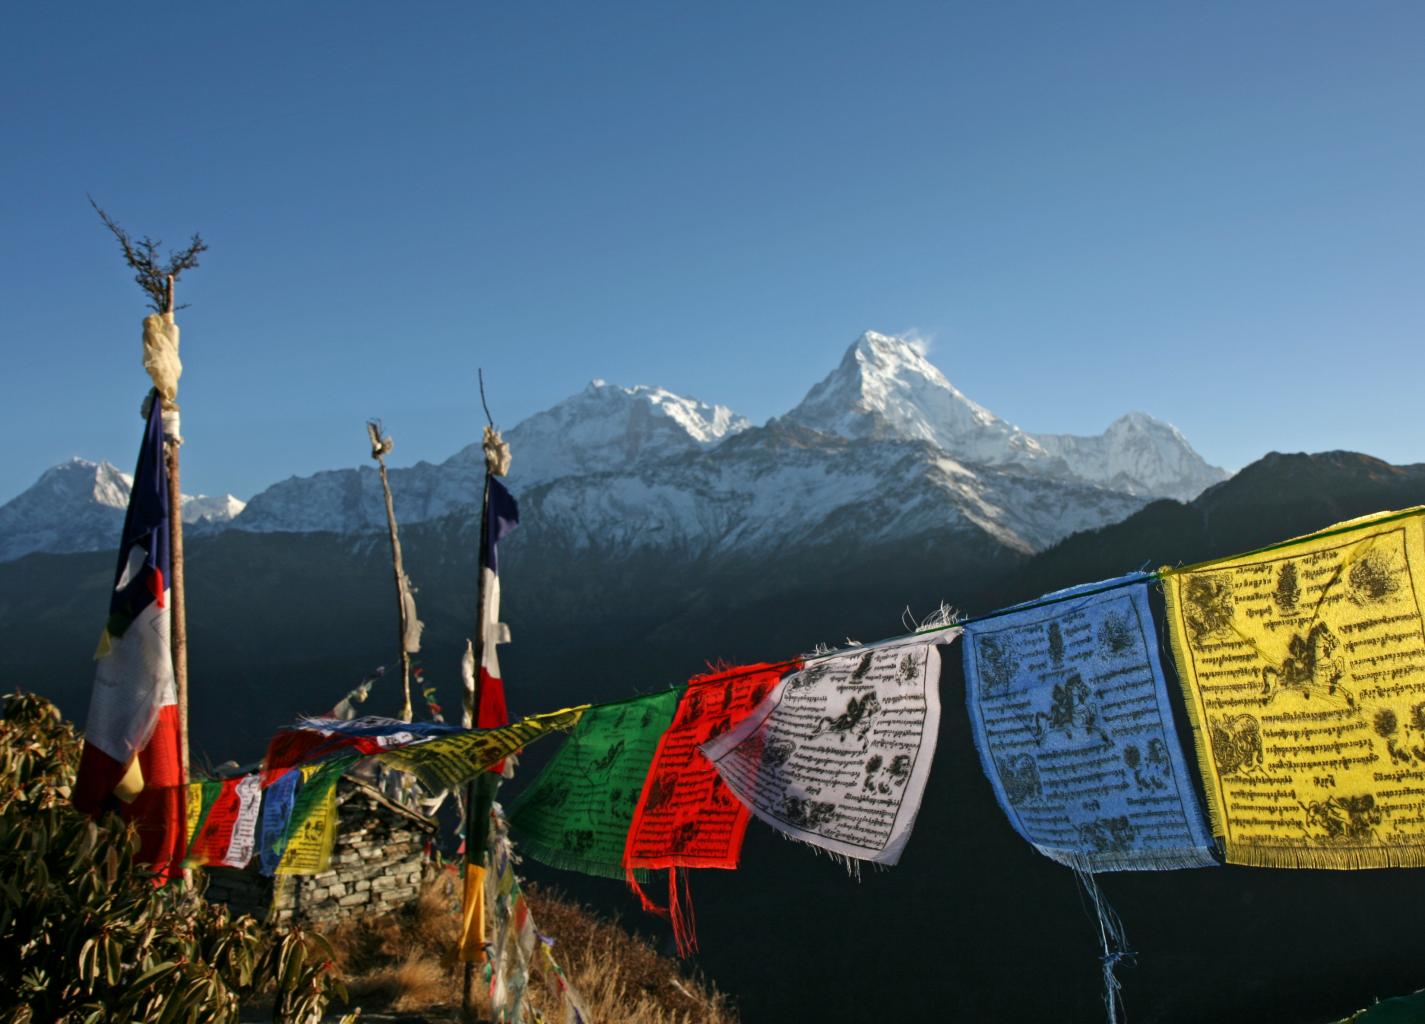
column 1303, row 672
column 1069, row 711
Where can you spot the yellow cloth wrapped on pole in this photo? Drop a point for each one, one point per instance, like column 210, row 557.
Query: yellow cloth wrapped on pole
column 472, row 928
column 1303, row 671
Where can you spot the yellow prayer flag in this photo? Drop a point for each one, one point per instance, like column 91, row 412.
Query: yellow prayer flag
column 193, row 807
column 1303, row 671
column 310, row 849
column 446, row 762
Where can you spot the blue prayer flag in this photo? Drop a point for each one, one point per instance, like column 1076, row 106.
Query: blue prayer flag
column 1069, row 711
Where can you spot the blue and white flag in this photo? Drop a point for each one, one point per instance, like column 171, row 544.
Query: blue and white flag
column 1070, row 714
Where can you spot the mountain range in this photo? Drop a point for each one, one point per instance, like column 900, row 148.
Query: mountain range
column 729, row 541
column 79, row 506
column 884, row 446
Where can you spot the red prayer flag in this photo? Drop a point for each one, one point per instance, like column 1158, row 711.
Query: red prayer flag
column 686, row 816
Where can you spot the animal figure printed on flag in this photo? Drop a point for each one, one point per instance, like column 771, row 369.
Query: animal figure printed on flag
column 1303, row 669
column 686, row 815
column 576, row 814
column 1069, row 710
column 838, row 754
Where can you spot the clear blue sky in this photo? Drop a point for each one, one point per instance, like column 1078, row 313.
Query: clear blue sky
column 1210, row 211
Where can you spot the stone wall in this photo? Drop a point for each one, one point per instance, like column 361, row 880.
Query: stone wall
column 376, row 867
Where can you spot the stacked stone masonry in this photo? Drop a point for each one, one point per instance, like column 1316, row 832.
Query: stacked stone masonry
column 377, row 865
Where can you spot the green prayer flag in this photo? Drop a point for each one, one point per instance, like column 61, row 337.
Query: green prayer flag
column 576, row 815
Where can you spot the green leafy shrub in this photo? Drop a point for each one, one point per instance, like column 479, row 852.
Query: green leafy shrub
column 87, row 935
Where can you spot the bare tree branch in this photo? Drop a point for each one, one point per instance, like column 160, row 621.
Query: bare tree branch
column 144, row 259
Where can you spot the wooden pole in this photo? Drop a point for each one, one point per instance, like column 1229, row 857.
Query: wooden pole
column 378, row 452
column 178, row 617
column 474, row 850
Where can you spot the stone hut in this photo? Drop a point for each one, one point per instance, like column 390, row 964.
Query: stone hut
column 377, row 865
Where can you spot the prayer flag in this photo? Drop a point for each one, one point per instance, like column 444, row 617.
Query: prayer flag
column 837, row 754
column 502, row 515
column 310, row 834
column 277, row 803
column 686, row 816
column 1069, row 711
column 227, row 831
column 447, row 761
column 317, row 739
column 576, row 814
column 131, row 760
column 1303, row 671
column 515, row 936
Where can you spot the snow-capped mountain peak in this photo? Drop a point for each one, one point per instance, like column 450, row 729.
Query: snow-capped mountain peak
column 1137, row 454
column 608, row 427
column 79, row 506
column 885, row 400
column 885, row 387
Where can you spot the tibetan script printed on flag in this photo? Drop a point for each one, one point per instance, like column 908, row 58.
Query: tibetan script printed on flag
column 226, row 831
column 686, row 815
column 838, row 754
column 311, row 831
column 577, row 813
column 449, row 761
column 1303, row 669
column 1069, row 710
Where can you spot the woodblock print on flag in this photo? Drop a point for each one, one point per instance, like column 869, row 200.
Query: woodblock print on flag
column 686, row 816
column 445, row 762
column 310, row 834
column 226, row 831
column 1303, row 672
column 1069, row 711
column 837, row 755
column 577, row 813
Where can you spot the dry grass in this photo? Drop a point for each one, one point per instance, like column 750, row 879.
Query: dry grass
column 403, row 962
column 620, row 976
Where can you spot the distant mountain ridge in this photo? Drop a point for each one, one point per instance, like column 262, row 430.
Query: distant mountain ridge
column 885, row 387
column 79, row 506
column 884, row 431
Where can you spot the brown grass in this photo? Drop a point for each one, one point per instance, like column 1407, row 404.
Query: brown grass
column 404, row 962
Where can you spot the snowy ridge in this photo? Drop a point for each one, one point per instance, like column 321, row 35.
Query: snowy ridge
column 606, row 427
column 603, row 428
column 1137, row 454
column 884, row 446
column 79, row 506
column 885, row 387
column 780, row 487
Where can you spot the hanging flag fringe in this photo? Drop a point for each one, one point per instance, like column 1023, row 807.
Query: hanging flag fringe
column 1112, row 942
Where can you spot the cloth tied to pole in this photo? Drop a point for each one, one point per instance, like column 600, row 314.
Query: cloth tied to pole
column 497, row 452
column 160, row 356
column 411, row 639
